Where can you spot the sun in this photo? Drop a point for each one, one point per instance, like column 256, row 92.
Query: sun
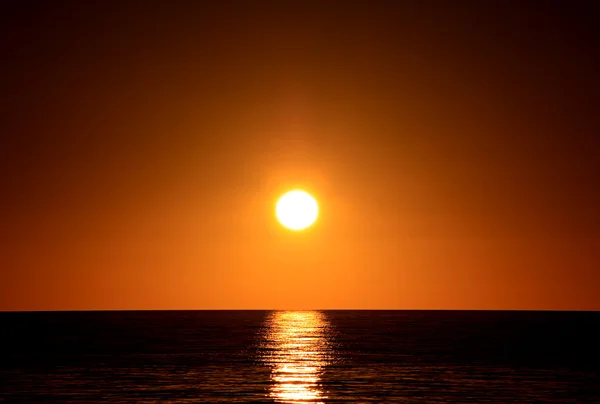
column 297, row 210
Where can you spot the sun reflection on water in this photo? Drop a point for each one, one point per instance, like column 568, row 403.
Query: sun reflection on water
column 297, row 346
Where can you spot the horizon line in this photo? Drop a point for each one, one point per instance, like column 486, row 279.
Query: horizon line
column 272, row 309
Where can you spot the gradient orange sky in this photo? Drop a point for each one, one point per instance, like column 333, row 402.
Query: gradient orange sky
column 452, row 147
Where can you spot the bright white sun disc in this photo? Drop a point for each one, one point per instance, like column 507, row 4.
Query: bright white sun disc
column 297, row 210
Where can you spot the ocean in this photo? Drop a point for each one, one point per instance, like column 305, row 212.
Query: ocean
column 300, row 356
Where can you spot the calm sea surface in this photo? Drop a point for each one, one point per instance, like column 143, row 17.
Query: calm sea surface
column 297, row 357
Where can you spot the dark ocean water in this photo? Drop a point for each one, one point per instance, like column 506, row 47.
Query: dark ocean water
column 296, row 357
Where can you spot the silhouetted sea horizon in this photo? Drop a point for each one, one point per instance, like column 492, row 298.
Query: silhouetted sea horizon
column 409, row 356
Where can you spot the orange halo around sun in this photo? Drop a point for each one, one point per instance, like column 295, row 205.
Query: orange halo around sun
column 297, row 210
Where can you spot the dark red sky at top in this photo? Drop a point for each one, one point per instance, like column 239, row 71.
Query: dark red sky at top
column 453, row 147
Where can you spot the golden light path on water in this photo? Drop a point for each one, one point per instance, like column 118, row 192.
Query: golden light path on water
column 297, row 347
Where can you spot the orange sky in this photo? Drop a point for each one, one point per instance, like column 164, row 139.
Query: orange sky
column 453, row 152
